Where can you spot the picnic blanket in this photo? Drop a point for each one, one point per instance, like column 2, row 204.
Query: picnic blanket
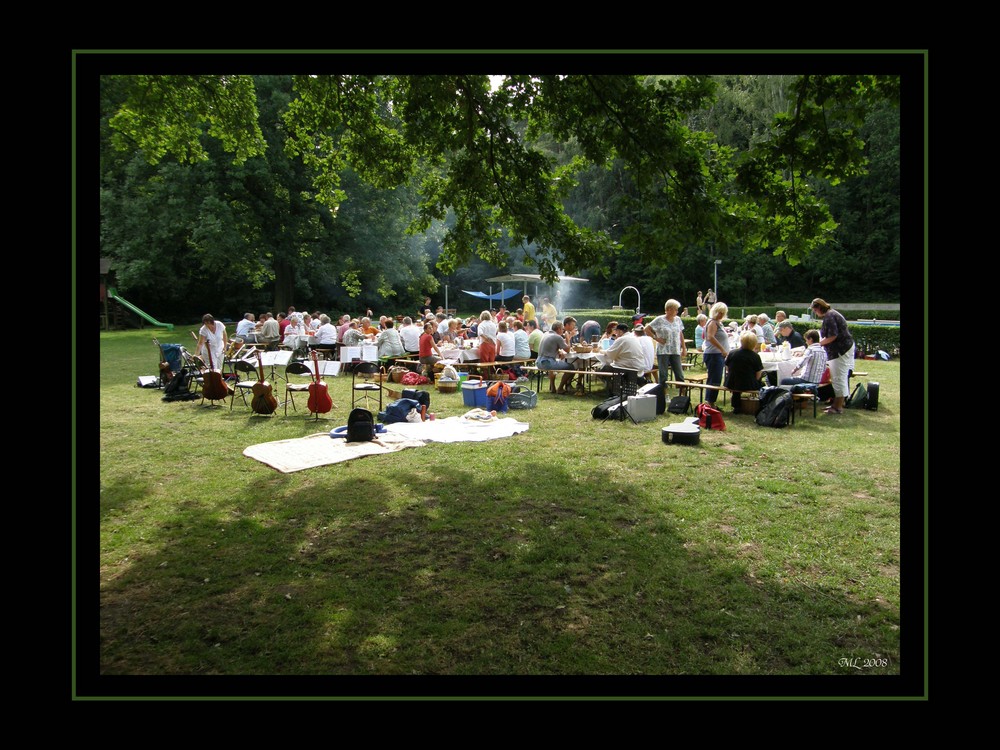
column 288, row 456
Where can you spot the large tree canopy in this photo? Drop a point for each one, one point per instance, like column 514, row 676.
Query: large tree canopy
column 487, row 154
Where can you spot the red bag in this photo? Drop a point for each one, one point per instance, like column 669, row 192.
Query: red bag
column 709, row 417
column 412, row 378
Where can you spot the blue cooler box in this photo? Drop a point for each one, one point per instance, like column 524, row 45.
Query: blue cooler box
column 474, row 395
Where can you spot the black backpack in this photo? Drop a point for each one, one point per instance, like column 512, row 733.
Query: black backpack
column 680, row 405
column 360, row 426
column 858, row 398
column 608, row 409
column 179, row 387
column 775, row 407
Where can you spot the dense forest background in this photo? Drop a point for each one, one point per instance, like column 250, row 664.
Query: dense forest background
column 229, row 237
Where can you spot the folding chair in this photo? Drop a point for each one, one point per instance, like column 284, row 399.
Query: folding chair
column 361, row 384
column 244, row 385
column 293, row 387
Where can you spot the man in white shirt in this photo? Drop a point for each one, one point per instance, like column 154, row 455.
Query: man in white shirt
column 410, row 336
column 627, row 354
column 442, row 325
column 245, row 329
column 648, row 344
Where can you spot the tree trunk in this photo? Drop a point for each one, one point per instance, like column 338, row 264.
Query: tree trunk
column 284, row 286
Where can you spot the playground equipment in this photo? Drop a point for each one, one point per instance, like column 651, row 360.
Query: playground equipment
column 113, row 294
column 638, row 299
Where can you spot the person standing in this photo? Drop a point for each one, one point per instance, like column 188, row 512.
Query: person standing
column 424, row 308
column 549, row 314
column 667, row 331
column 699, row 331
column 716, row 348
column 529, row 309
column 699, row 302
column 212, row 341
column 487, row 332
column 836, row 339
column 710, row 301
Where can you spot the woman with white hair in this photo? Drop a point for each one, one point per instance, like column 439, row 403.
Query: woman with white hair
column 750, row 324
column 667, row 331
column 764, row 322
column 699, row 331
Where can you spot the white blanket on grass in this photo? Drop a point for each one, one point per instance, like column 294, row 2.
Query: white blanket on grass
column 288, row 456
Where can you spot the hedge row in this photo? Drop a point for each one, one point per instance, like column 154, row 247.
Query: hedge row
column 868, row 339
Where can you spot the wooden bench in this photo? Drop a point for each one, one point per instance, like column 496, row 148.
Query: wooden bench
column 800, row 400
column 535, row 373
column 683, row 385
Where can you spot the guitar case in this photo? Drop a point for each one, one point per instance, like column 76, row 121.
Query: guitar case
column 687, row 432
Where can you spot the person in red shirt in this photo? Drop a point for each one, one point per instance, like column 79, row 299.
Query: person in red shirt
column 427, row 349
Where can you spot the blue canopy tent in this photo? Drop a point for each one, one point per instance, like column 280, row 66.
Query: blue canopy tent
column 498, row 297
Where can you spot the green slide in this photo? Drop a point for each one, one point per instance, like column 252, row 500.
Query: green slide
column 112, row 293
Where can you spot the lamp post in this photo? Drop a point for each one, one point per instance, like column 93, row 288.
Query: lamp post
column 717, row 262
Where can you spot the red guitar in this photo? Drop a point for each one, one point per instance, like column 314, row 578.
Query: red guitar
column 213, row 388
column 263, row 401
column 319, row 398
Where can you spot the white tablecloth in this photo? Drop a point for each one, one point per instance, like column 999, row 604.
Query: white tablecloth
column 461, row 355
column 774, row 363
column 299, row 342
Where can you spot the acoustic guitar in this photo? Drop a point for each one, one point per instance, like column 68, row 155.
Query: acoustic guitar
column 263, row 401
column 213, row 388
column 319, row 398
column 166, row 374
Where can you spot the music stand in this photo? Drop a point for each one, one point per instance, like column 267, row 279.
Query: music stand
column 274, row 359
column 327, row 367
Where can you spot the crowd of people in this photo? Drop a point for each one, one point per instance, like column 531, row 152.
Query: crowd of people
column 730, row 354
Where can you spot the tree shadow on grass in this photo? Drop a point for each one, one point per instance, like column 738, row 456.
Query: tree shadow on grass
column 440, row 580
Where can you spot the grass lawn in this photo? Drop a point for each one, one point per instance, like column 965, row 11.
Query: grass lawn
column 576, row 548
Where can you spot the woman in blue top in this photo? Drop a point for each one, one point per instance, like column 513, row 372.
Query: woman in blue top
column 699, row 331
